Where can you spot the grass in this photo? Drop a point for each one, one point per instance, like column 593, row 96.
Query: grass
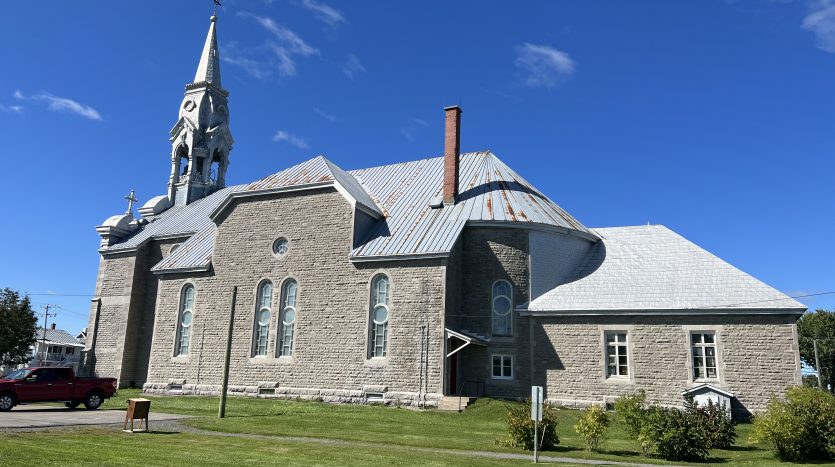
column 100, row 446
column 401, row 431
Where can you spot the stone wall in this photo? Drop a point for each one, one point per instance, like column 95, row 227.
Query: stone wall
column 488, row 255
column 757, row 358
column 332, row 323
column 127, row 290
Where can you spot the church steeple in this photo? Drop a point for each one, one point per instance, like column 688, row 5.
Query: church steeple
column 209, row 68
column 200, row 140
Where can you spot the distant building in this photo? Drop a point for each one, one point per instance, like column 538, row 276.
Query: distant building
column 414, row 282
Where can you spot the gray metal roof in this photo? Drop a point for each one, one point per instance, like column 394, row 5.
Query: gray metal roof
column 647, row 269
column 399, row 194
column 318, row 171
column 58, row 336
column 489, row 191
column 195, row 254
column 185, row 220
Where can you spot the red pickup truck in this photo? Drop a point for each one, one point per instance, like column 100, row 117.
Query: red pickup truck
column 49, row 384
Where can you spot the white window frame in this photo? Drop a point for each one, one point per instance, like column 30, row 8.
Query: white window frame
column 182, row 342
column 286, row 331
column 261, row 330
column 377, row 345
column 505, row 363
column 618, row 355
column 494, row 316
column 703, row 357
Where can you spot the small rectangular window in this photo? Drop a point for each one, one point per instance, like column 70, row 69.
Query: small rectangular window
column 704, row 355
column 617, row 354
column 266, row 391
column 70, row 351
column 502, row 366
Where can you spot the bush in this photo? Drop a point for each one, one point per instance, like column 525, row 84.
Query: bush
column 719, row 425
column 799, row 428
column 631, row 412
column 592, row 426
column 520, row 427
column 678, row 435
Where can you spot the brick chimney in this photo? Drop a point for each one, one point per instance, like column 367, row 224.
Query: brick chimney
column 452, row 148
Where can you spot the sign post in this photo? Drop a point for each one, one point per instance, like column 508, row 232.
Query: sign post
column 536, row 416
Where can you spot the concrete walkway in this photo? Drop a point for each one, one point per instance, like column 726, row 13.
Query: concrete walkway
column 25, row 417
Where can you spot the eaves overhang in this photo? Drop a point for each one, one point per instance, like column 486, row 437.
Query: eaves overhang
column 202, row 268
column 112, row 252
column 665, row 312
column 404, row 257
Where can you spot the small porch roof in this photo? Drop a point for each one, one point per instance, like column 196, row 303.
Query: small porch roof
column 468, row 337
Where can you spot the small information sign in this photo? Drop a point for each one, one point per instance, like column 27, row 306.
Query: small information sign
column 536, row 403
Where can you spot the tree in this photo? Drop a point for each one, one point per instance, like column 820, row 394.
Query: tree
column 17, row 327
column 819, row 326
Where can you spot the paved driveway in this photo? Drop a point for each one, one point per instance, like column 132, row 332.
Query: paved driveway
column 43, row 416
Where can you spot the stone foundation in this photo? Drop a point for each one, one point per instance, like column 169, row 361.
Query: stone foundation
column 273, row 391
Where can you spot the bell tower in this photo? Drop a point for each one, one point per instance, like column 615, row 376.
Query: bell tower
column 200, row 140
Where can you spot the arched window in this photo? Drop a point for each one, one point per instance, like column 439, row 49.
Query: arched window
column 502, row 307
column 262, row 318
column 380, row 299
column 288, row 318
column 186, row 316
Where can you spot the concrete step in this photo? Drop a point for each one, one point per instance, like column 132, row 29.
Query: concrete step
column 455, row 403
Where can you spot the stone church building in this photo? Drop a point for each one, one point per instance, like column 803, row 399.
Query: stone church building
column 411, row 282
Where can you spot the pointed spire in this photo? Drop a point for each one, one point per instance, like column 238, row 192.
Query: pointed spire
column 209, row 68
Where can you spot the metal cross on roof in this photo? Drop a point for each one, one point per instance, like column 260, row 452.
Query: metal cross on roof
column 131, row 199
column 217, row 4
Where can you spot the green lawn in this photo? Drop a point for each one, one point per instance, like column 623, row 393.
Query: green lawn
column 401, row 434
column 106, row 446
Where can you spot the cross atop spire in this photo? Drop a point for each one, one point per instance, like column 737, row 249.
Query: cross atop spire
column 131, row 198
column 208, row 71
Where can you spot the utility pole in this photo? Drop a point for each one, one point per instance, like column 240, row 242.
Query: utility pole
column 221, row 412
column 46, row 315
column 817, row 363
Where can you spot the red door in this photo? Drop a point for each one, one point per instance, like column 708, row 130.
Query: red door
column 453, row 374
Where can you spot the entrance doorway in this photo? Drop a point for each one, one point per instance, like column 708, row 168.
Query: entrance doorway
column 453, row 374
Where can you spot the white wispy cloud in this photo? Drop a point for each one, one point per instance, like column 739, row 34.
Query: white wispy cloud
column 821, row 22
column 60, row 104
column 282, row 135
column 329, row 117
column 413, row 126
column 324, row 12
column 289, row 39
column 542, row 65
column 352, row 66
column 281, row 50
column 256, row 68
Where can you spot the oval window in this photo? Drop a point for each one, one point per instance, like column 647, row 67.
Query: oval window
column 264, row 317
column 381, row 315
column 281, row 246
column 186, row 318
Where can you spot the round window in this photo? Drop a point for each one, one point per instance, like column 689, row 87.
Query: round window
column 280, row 246
column 186, row 318
column 381, row 314
column 501, row 305
column 264, row 317
column 289, row 316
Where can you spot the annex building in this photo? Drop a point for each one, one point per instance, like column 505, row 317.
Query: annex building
column 413, row 282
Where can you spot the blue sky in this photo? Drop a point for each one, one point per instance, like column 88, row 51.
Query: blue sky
column 714, row 118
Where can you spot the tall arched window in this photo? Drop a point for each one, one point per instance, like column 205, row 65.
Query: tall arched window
column 288, row 317
column 380, row 299
column 186, row 316
column 262, row 318
column 502, row 307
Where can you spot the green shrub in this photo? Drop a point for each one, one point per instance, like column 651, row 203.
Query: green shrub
column 520, row 427
column 719, row 425
column 799, row 428
column 678, row 435
column 592, row 426
column 631, row 412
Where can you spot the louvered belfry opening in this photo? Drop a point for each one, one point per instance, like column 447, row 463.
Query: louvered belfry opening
column 452, row 150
